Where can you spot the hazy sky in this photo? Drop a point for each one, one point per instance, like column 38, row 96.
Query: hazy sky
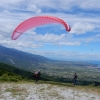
column 52, row 41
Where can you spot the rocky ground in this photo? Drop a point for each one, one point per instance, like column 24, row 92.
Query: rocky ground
column 42, row 91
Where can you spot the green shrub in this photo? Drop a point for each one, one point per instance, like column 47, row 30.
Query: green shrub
column 4, row 77
column 10, row 77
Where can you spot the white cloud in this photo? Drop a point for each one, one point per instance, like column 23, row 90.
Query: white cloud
column 90, row 5
column 9, row 2
column 39, row 5
column 82, row 28
column 69, row 43
column 48, row 37
column 67, row 5
column 94, row 38
column 33, row 8
column 97, row 35
column 65, row 55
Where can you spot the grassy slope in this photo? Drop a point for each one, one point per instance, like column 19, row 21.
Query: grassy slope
column 88, row 89
column 12, row 71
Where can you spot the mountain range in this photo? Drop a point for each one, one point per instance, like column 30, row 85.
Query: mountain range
column 30, row 61
column 19, row 58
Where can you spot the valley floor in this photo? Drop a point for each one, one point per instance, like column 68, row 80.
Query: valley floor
column 42, row 91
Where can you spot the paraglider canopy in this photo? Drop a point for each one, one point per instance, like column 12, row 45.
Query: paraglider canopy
column 37, row 21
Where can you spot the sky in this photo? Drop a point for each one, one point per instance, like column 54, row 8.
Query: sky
column 52, row 40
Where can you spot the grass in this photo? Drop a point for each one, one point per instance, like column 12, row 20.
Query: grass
column 16, row 90
column 49, row 92
column 89, row 88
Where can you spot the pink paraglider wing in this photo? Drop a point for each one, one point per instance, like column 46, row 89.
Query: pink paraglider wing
column 37, row 21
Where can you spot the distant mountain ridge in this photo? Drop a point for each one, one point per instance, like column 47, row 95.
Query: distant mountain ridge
column 20, row 58
column 20, row 54
column 27, row 61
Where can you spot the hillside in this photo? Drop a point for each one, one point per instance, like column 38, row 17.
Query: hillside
column 61, row 89
column 10, row 73
column 19, row 58
column 30, row 62
column 51, row 69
